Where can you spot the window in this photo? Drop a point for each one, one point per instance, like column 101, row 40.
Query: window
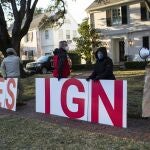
column 67, row 34
column 146, row 42
column 145, row 14
column 60, row 32
column 74, row 33
column 116, row 16
column 29, row 37
column 30, row 55
column 46, row 34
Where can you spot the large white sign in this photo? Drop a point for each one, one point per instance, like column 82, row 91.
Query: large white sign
column 8, row 93
column 104, row 101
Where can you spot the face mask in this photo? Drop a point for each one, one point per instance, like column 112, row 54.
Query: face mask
column 66, row 48
column 100, row 55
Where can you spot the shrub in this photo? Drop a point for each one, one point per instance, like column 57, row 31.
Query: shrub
column 76, row 58
column 82, row 67
column 135, row 65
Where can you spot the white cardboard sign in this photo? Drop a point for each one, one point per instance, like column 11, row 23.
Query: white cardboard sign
column 8, row 93
column 104, row 101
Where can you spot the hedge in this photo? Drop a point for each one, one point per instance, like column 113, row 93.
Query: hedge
column 76, row 59
column 135, row 65
column 82, row 67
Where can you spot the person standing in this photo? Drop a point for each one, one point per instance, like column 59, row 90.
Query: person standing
column 146, row 95
column 103, row 68
column 11, row 69
column 61, row 61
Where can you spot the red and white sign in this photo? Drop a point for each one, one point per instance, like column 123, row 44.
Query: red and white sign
column 104, row 101
column 8, row 93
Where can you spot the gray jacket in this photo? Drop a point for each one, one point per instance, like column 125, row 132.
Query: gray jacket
column 11, row 66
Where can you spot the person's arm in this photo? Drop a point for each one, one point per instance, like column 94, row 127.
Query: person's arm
column 92, row 76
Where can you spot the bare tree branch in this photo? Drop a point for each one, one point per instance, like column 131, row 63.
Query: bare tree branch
column 14, row 8
column 29, row 17
column 22, row 10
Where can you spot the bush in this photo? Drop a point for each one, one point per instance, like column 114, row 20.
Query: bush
column 135, row 65
column 82, row 67
column 76, row 58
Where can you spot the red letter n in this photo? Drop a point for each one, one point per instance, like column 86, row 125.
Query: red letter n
column 115, row 112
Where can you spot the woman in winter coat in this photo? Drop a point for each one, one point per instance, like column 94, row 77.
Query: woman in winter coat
column 103, row 68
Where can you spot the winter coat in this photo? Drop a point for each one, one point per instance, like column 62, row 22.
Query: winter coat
column 11, row 66
column 61, row 64
column 103, row 68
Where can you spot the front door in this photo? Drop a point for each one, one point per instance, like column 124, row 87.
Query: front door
column 121, row 51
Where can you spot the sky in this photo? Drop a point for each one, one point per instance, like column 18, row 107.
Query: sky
column 75, row 7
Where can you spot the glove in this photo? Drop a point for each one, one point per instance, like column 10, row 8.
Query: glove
column 88, row 79
column 96, row 79
column 59, row 77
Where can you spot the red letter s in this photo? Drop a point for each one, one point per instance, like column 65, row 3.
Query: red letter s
column 8, row 105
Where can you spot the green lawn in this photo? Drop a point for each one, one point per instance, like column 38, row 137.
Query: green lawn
column 20, row 133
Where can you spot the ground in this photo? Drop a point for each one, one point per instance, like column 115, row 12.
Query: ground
column 26, row 129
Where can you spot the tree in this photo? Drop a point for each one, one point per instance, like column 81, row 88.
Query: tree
column 87, row 41
column 21, row 12
column 38, row 11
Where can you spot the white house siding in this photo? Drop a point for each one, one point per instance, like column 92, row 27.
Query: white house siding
column 134, row 30
column 42, row 45
column 30, row 45
column 71, row 26
column 47, row 44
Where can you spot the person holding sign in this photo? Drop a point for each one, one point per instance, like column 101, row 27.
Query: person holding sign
column 61, row 61
column 103, row 68
column 11, row 69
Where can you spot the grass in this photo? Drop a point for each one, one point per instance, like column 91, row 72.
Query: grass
column 21, row 133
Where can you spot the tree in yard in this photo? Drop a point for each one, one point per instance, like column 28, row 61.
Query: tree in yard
column 87, row 41
column 38, row 11
column 21, row 12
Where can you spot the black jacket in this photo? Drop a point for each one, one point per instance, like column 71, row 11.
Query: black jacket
column 103, row 69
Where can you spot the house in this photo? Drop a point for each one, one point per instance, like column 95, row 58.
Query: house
column 123, row 26
column 42, row 41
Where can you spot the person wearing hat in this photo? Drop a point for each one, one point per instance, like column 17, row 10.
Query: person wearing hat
column 11, row 69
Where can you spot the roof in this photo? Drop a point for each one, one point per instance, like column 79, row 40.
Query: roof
column 36, row 21
column 108, row 3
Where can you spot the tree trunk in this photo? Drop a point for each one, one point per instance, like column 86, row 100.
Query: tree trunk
column 16, row 45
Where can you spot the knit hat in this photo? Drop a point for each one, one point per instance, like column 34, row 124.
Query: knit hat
column 11, row 50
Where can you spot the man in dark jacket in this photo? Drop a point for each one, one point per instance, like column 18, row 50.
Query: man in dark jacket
column 103, row 69
column 60, row 60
